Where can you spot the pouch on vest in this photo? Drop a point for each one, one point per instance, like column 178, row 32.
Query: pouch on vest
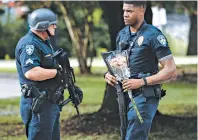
column 47, row 62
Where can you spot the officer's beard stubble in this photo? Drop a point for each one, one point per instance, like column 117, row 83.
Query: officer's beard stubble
column 134, row 24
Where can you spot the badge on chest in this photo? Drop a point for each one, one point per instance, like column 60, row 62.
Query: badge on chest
column 140, row 40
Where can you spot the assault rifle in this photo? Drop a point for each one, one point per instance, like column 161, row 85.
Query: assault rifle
column 120, row 98
column 68, row 80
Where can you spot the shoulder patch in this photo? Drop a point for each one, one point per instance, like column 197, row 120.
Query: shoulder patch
column 29, row 49
column 162, row 40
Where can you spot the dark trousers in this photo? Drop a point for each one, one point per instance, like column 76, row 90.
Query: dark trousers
column 43, row 125
column 147, row 107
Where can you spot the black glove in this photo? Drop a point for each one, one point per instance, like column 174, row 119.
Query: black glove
column 59, row 70
column 59, row 74
column 78, row 96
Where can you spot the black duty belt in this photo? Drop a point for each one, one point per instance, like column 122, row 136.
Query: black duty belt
column 56, row 96
column 31, row 91
column 137, row 91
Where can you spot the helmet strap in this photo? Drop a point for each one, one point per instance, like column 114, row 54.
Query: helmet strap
column 48, row 33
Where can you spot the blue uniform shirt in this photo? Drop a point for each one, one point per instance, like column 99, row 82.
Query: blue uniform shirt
column 149, row 46
column 32, row 51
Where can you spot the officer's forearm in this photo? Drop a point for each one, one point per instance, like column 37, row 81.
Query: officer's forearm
column 40, row 74
column 167, row 73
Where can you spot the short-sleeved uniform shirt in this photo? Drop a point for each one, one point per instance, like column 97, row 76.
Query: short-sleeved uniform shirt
column 149, row 45
column 31, row 51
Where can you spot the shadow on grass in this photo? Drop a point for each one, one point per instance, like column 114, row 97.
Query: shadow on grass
column 182, row 124
column 14, row 129
column 174, row 127
column 163, row 126
column 94, row 123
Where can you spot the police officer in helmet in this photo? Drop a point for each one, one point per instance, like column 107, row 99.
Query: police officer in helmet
column 147, row 46
column 38, row 77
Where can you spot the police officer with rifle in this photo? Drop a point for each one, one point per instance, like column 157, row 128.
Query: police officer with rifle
column 43, row 76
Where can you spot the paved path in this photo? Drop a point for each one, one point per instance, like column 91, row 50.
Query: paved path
column 9, row 87
column 73, row 62
column 9, row 84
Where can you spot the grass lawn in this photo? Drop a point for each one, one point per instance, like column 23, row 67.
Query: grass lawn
column 178, row 122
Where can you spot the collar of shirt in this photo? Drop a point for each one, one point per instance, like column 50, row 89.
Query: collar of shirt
column 47, row 42
column 142, row 27
column 38, row 37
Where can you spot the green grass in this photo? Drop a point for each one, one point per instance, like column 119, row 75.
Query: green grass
column 180, row 101
column 93, row 88
column 177, row 92
column 181, row 98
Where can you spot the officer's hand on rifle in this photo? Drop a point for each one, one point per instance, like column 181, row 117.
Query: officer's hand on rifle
column 110, row 79
column 59, row 71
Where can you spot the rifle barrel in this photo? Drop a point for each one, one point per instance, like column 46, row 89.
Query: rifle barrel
column 78, row 113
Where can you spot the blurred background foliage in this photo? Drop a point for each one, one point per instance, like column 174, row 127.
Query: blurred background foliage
column 14, row 25
column 14, row 28
column 11, row 32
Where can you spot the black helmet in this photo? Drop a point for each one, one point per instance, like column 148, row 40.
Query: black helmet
column 41, row 19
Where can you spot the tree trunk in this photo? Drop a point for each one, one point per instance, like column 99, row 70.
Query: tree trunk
column 79, row 42
column 148, row 14
column 192, row 45
column 113, row 16
column 109, row 101
column 115, row 23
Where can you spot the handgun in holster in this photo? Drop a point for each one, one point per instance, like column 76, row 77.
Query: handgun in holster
column 38, row 101
column 38, row 96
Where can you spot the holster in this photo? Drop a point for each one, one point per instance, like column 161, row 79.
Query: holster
column 154, row 91
column 39, row 96
column 26, row 91
column 38, row 102
column 29, row 91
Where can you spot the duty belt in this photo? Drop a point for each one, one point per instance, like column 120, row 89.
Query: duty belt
column 137, row 91
column 30, row 91
column 56, row 96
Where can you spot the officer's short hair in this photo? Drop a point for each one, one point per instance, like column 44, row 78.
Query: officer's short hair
column 136, row 3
